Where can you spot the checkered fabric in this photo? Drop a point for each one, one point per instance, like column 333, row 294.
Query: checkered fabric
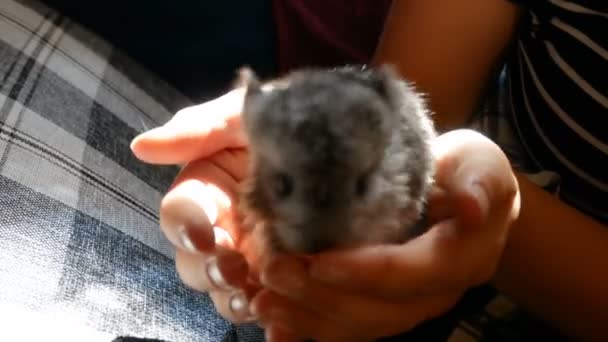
column 82, row 257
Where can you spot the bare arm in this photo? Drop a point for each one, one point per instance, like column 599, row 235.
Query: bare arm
column 556, row 264
column 556, row 260
column 448, row 48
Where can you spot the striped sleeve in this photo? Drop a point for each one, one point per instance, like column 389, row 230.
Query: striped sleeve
column 558, row 88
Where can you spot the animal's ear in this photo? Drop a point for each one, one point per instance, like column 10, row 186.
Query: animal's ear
column 249, row 80
column 383, row 80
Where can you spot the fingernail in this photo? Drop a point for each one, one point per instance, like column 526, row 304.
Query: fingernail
column 215, row 275
column 481, row 196
column 157, row 132
column 239, row 305
column 185, row 240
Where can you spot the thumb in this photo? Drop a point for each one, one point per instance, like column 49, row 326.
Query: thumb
column 194, row 132
column 474, row 173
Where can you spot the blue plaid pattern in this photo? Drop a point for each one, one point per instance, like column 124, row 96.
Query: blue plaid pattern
column 82, row 255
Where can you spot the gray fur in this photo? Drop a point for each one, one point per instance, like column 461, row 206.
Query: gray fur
column 318, row 133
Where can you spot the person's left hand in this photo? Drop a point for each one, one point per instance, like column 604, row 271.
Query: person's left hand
column 378, row 291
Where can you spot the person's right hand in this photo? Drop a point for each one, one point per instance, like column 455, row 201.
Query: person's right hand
column 196, row 214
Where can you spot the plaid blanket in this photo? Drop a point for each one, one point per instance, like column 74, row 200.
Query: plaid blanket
column 82, row 257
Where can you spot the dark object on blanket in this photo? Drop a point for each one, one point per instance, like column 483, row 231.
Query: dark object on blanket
column 339, row 158
column 136, row 339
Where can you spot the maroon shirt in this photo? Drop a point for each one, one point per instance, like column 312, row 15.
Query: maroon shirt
column 327, row 32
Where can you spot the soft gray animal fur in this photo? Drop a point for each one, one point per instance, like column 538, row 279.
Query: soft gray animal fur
column 339, row 158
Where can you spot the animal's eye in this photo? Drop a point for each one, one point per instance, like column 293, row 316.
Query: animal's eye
column 283, row 185
column 361, row 186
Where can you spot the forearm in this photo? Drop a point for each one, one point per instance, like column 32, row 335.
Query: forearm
column 556, row 265
column 448, row 49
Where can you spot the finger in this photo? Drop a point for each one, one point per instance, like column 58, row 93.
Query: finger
column 442, row 259
column 479, row 179
column 224, row 270
column 273, row 310
column 288, row 277
column 475, row 172
column 194, row 132
column 234, row 305
column 234, row 161
column 373, row 322
column 438, row 206
column 277, row 333
column 200, row 199
column 395, row 272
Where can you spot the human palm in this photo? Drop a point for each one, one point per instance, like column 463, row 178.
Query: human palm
column 369, row 292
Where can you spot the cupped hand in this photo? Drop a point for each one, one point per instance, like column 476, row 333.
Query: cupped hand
column 197, row 214
column 370, row 292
